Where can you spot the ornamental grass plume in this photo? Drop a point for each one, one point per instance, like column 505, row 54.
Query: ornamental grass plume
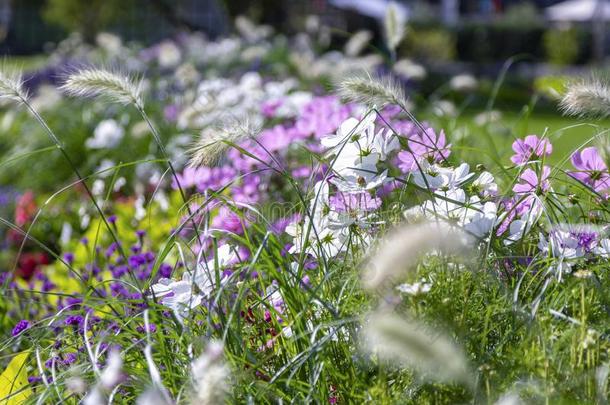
column 402, row 248
column 408, row 343
column 394, row 25
column 211, row 376
column 372, row 90
column 212, row 144
column 12, row 86
column 113, row 86
column 358, row 42
column 587, row 97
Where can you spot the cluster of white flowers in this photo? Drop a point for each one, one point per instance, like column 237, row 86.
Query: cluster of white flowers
column 107, row 135
column 472, row 211
column 243, row 98
column 358, row 148
column 356, row 151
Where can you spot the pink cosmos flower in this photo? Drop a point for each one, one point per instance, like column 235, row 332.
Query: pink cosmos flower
column 424, row 147
column 591, row 169
column 530, row 182
column 322, row 116
column 363, row 201
column 530, row 148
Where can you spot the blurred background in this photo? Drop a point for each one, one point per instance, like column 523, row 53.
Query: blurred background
column 483, row 34
column 560, row 32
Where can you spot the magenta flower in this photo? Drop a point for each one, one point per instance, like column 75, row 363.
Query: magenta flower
column 322, row 116
column 530, row 148
column 530, row 182
column 354, row 202
column 591, row 169
column 424, row 147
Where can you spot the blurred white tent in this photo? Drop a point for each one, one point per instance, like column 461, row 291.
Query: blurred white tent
column 579, row 10
column 370, row 8
column 596, row 12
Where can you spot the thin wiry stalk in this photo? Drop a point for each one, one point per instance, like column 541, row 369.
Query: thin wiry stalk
column 122, row 89
column 157, row 139
column 73, row 167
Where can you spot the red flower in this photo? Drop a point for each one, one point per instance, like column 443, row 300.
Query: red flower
column 30, row 262
column 25, row 209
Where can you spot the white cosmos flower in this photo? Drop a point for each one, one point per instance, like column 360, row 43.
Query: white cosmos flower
column 355, row 174
column 484, row 220
column 469, row 213
column 521, row 226
column 359, row 180
column 331, row 242
column 169, row 54
column 415, row 289
column 177, row 295
column 561, row 244
column 356, row 138
column 603, row 249
column 314, row 222
column 485, row 185
column 107, row 134
column 434, row 177
column 351, row 129
column 181, row 296
column 205, row 275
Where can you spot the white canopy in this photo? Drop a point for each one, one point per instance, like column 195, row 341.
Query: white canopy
column 578, row 10
column 371, row 8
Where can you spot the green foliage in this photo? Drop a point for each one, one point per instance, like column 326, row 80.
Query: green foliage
column 561, row 45
column 429, row 44
column 86, row 17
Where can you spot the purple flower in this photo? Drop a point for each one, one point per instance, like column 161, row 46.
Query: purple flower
column 69, row 258
column 424, row 147
column 586, row 239
column 165, row 270
column 74, row 320
column 530, row 148
column 70, row 358
column 354, row 202
column 20, row 327
column 34, row 379
column 152, row 328
column 322, row 116
column 591, row 169
column 530, row 182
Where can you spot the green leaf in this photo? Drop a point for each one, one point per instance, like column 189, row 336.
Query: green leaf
column 14, row 381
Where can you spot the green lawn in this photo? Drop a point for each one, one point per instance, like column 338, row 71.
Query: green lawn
column 565, row 133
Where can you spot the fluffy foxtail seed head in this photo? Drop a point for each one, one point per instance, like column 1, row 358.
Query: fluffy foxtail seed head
column 212, row 144
column 358, row 42
column 407, row 343
column 372, row 90
column 587, row 97
column 114, row 87
column 11, row 85
column 394, row 25
column 402, row 248
column 210, row 376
